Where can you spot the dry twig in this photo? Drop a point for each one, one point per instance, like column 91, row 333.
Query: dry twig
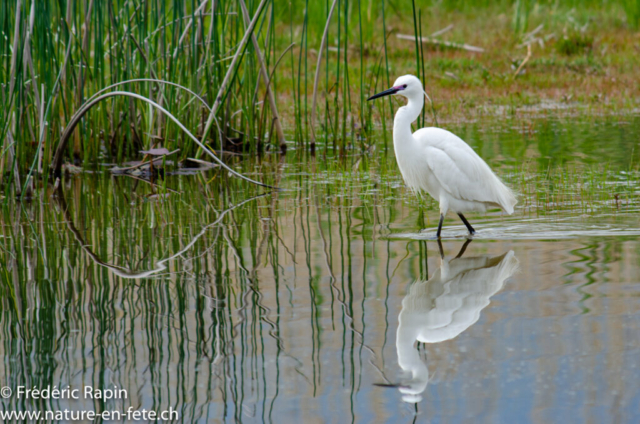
column 524, row 62
column 435, row 41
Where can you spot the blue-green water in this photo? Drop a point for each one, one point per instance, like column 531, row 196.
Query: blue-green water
column 325, row 302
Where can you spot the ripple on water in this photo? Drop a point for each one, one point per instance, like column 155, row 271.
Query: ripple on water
column 530, row 229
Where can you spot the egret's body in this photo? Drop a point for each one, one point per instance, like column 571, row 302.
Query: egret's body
column 438, row 162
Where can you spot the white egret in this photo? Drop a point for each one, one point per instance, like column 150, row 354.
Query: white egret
column 438, row 162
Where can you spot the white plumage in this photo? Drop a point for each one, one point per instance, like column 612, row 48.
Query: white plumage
column 443, row 307
column 438, row 162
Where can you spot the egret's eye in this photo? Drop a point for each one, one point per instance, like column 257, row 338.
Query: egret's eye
column 404, row 86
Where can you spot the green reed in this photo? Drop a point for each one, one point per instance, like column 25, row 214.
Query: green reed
column 71, row 51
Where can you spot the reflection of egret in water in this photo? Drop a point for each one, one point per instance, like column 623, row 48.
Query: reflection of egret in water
column 444, row 306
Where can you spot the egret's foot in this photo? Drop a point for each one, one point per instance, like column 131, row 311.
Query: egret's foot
column 466, row 224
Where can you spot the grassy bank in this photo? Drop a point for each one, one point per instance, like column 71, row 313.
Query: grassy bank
column 477, row 58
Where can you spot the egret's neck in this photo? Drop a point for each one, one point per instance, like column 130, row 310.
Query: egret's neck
column 404, row 117
column 409, row 358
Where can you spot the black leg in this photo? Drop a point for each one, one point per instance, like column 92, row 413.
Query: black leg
column 440, row 226
column 466, row 223
column 441, row 249
column 464, row 247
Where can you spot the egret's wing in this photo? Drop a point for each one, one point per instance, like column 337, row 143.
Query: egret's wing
column 441, row 309
column 460, row 170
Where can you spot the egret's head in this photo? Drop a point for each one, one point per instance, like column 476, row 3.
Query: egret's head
column 407, row 86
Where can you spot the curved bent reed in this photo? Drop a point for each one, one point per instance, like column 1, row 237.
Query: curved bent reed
column 56, row 165
column 193, row 93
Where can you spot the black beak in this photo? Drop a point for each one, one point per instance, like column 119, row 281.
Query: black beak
column 391, row 385
column 392, row 90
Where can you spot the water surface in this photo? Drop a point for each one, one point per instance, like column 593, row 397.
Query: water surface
column 330, row 301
